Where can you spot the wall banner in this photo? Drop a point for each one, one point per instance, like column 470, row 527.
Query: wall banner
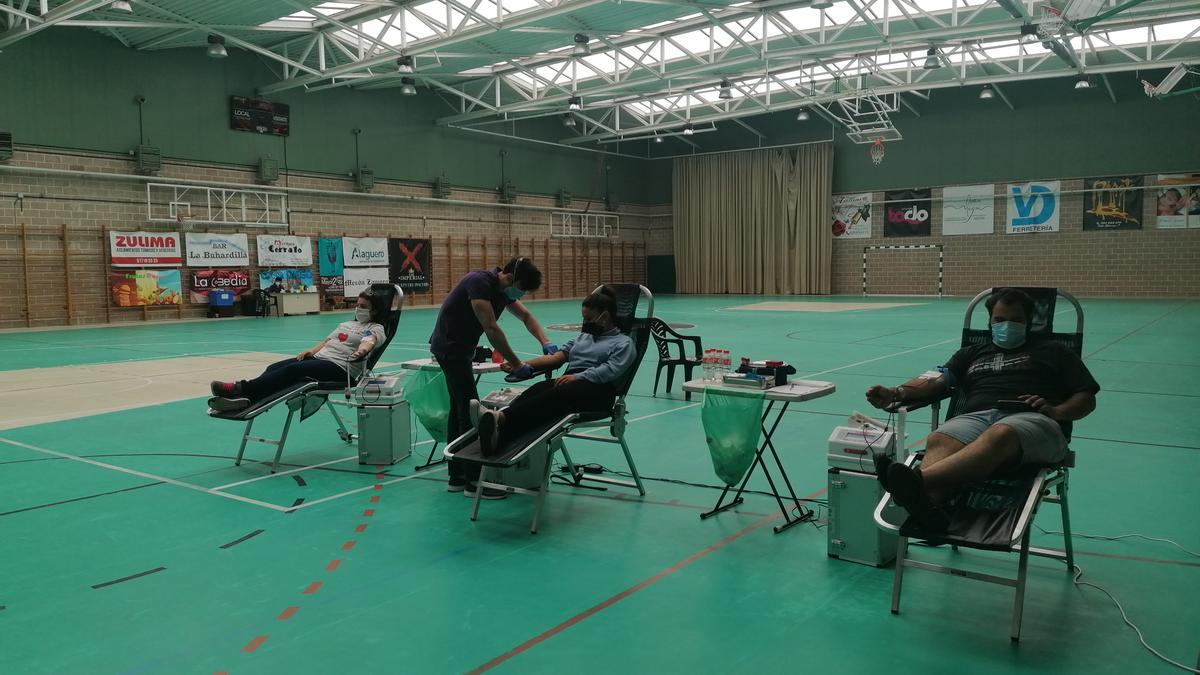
column 907, row 213
column 359, row 279
column 852, row 216
column 204, row 281
column 1112, row 203
column 968, row 209
column 281, row 250
column 365, row 251
column 410, row 264
column 134, row 288
column 293, row 280
column 217, row 250
column 1033, row 207
column 144, row 249
column 329, row 256
column 1178, row 204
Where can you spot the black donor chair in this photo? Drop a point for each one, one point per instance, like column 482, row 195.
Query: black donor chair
column 997, row 514
column 666, row 339
column 530, row 457
column 307, row 398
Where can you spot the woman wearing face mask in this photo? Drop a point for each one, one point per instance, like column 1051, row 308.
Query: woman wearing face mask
column 597, row 360
column 468, row 313
column 327, row 361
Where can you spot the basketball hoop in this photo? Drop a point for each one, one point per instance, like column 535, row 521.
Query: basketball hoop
column 877, row 151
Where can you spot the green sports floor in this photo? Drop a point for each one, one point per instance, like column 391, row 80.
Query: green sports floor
column 120, row 556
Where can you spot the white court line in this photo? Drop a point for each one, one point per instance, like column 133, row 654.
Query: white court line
column 877, row 358
column 143, row 474
column 364, row 489
column 283, row 473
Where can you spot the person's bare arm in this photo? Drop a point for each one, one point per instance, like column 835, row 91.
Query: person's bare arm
column 308, row 353
column 526, row 317
column 1078, row 406
column 487, row 319
column 920, row 388
column 541, row 363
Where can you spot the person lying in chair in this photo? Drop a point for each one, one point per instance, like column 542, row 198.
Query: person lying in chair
column 596, row 361
column 327, row 361
column 1014, row 392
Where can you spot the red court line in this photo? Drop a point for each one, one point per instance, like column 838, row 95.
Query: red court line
column 379, row 486
column 312, row 588
column 255, row 643
column 375, row 499
column 702, row 553
column 361, row 528
column 381, row 475
column 349, row 545
column 287, row 613
column 333, row 565
column 368, row 513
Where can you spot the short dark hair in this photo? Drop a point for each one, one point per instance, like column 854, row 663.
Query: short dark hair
column 379, row 305
column 1011, row 296
column 525, row 273
column 603, row 300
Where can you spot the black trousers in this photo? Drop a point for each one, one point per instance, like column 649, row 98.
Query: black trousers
column 545, row 402
column 283, row 374
column 460, row 383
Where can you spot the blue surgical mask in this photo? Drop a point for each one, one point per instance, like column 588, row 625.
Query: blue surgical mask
column 514, row 293
column 1008, row 334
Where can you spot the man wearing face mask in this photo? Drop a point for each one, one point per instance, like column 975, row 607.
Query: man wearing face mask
column 1015, row 393
column 470, row 311
column 597, row 361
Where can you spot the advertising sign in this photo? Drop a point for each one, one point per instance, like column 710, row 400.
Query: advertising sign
column 217, row 250
column 145, row 249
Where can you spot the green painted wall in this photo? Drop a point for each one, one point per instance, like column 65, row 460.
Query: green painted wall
column 75, row 88
column 1054, row 132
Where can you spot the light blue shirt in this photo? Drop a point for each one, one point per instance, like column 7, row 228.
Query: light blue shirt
column 603, row 359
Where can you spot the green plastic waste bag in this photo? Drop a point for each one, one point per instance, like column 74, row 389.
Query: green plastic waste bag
column 732, row 424
column 430, row 401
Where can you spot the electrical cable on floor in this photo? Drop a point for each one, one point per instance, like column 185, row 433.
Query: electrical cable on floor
column 1125, row 617
column 1079, row 573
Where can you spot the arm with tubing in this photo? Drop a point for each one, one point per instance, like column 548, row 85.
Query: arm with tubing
column 920, row 388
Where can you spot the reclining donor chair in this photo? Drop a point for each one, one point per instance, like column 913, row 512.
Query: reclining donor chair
column 307, row 398
column 524, row 465
column 995, row 514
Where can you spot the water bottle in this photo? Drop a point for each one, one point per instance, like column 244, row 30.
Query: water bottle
column 708, row 363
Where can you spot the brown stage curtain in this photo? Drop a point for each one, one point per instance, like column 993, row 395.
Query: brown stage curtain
column 754, row 222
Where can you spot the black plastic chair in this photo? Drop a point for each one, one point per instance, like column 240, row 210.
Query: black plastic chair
column 997, row 514
column 664, row 339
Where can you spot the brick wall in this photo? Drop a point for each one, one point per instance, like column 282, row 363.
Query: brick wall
column 52, row 245
column 1130, row 263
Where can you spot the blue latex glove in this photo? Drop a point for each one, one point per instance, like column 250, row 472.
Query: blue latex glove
column 550, row 349
column 523, row 373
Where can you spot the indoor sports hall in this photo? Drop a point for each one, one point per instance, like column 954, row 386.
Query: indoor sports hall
column 839, row 335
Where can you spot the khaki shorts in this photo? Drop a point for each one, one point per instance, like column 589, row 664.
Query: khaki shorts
column 1042, row 440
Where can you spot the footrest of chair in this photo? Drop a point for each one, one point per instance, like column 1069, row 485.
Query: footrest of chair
column 467, row 448
column 261, row 406
column 990, row 515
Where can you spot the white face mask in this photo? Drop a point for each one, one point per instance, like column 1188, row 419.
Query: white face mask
column 362, row 314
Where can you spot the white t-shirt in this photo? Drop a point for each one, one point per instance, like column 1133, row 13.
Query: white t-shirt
column 346, row 339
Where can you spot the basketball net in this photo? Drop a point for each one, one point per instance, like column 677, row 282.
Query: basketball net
column 877, row 151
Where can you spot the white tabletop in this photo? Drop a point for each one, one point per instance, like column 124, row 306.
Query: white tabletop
column 430, row 364
column 792, row 392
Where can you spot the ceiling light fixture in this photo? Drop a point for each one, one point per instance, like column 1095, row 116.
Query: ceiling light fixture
column 574, row 103
column 986, row 93
column 568, row 120
column 404, row 64
column 408, row 86
column 216, row 47
column 581, row 47
column 1082, row 83
column 688, row 130
column 932, row 61
column 1029, row 33
column 657, row 138
column 821, row 4
column 726, row 92
column 802, row 116
column 122, row 6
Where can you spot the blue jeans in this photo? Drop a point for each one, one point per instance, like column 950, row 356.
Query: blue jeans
column 283, row 374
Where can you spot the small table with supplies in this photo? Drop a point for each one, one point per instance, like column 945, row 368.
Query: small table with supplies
column 479, row 369
column 787, row 394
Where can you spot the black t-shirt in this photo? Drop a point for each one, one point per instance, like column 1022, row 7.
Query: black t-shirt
column 986, row 373
column 457, row 331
